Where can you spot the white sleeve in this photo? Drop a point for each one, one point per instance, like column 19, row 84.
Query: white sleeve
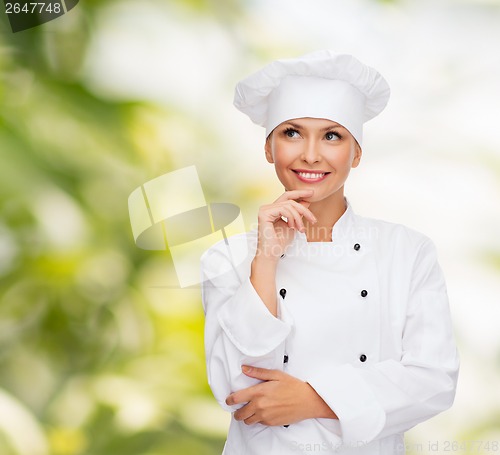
column 391, row 396
column 239, row 329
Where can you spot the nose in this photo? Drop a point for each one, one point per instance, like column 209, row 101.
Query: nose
column 310, row 152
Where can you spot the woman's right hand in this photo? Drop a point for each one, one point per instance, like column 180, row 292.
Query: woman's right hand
column 274, row 233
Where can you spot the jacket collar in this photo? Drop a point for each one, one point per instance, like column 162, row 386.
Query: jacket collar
column 344, row 226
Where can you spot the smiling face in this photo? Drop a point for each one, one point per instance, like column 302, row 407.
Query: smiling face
column 311, row 153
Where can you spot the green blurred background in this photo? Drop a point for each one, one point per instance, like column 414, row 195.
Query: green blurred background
column 100, row 353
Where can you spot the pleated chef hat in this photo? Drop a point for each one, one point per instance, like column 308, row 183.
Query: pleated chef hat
column 322, row 84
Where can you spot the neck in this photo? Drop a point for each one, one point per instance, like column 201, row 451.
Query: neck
column 327, row 212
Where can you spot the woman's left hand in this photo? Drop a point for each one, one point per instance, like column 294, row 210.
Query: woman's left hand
column 280, row 400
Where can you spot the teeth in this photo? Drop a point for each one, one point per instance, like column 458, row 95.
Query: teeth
column 308, row 175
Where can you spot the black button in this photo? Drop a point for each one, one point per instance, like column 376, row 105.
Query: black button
column 283, row 293
column 357, row 246
column 285, row 359
column 286, row 426
column 282, row 256
column 364, row 293
column 362, row 358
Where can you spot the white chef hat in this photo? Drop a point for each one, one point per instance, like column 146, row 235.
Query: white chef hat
column 322, row 84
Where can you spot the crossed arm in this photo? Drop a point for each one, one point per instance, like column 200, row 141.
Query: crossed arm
column 280, row 399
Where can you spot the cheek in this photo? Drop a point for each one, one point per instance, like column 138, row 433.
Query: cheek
column 342, row 161
column 282, row 156
column 282, row 161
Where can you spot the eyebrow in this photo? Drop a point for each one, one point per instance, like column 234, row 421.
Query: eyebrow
column 326, row 128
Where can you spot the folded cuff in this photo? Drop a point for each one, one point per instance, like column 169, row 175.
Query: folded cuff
column 360, row 415
column 249, row 324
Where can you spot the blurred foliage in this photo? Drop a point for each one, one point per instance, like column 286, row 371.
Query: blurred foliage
column 87, row 364
column 93, row 359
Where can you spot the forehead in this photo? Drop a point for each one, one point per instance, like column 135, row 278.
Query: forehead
column 311, row 123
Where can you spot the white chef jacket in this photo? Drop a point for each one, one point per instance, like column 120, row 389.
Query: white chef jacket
column 364, row 320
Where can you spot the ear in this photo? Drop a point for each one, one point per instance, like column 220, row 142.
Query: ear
column 268, row 150
column 357, row 155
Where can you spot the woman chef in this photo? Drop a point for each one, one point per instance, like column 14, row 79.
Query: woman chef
column 334, row 334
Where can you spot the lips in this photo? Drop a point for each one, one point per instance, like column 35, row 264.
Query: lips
column 310, row 176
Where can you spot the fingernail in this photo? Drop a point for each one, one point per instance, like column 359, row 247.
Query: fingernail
column 246, row 369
